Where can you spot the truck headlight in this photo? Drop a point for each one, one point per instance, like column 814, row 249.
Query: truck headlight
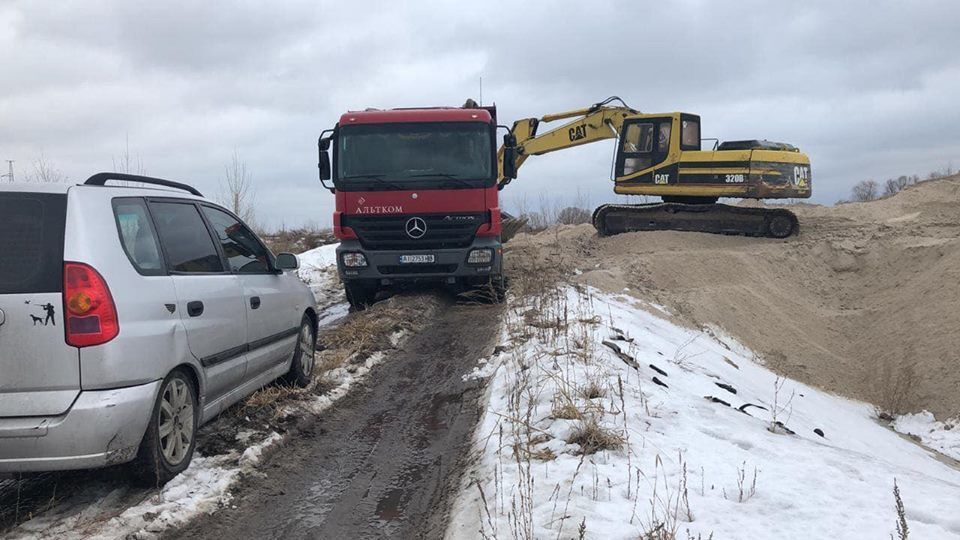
column 354, row 260
column 480, row 256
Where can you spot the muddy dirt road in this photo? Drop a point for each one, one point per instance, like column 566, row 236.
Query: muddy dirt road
column 386, row 459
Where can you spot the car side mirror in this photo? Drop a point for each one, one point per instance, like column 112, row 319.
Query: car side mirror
column 287, row 261
column 509, row 156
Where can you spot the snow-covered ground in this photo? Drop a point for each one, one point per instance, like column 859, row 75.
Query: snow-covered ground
column 318, row 268
column 944, row 437
column 718, row 445
column 109, row 510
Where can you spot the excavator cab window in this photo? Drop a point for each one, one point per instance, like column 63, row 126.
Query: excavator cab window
column 636, row 146
column 689, row 132
column 645, row 143
column 663, row 137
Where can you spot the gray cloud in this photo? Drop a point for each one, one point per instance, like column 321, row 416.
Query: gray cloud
column 866, row 88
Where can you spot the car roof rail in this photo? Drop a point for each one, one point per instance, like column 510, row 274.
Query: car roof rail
column 101, row 179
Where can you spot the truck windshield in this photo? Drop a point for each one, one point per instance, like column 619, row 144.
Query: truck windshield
column 444, row 154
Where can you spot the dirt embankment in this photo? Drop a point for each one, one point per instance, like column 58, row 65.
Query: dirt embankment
column 864, row 302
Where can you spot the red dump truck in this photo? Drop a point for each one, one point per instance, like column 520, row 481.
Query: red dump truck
column 416, row 197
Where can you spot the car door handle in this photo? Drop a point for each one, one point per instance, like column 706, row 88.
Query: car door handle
column 254, row 302
column 195, row 308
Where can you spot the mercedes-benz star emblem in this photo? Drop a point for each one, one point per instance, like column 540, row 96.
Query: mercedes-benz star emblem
column 416, row 227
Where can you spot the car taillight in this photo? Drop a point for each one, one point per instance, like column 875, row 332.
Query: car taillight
column 90, row 315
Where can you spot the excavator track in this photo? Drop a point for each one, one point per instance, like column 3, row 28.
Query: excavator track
column 611, row 219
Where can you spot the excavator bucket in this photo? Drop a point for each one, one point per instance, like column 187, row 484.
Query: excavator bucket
column 510, row 226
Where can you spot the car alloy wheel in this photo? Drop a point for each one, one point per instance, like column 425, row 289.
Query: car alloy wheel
column 175, row 421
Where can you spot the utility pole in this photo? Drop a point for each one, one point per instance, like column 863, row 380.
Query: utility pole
column 10, row 174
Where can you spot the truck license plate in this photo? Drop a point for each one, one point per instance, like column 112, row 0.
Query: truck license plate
column 417, row 259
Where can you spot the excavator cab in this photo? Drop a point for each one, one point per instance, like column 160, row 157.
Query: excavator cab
column 661, row 154
column 650, row 144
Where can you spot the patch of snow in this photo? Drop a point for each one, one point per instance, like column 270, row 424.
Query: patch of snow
column 252, row 455
column 944, row 437
column 483, row 370
column 321, row 257
column 202, row 488
column 696, row 458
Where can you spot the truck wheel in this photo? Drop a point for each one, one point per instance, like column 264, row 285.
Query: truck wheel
column 167, row 446
column 360, row 294
column 301, row 369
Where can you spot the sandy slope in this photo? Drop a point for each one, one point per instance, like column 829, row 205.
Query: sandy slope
column 863, row 293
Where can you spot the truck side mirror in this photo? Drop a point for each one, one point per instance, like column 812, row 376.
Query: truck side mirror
column 509, row 156
column 323, row 144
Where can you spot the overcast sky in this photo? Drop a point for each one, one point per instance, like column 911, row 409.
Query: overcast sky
column 867, row 89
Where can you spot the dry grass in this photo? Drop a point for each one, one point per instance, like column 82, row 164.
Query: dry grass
column 271, row 401
column 565, row 409
column 593, row 438
column 593, row 390
column 297, row 240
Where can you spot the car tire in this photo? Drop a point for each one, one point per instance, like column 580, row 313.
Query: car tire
column 171, row 437
column 360, row 295
column 301, row 368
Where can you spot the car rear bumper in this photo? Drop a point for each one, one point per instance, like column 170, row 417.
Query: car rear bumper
column 448, row 263
column 101, row 428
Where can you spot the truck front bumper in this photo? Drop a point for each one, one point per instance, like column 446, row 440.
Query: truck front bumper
column 385, row 266
column 102, row 428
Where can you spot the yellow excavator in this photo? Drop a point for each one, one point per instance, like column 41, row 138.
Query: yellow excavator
column 660, row 155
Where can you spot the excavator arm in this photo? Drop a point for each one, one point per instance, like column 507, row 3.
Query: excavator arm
column 596, row 123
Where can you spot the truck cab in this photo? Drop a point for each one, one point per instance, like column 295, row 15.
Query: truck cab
column 416, row 197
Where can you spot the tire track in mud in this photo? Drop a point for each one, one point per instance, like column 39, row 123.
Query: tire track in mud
column 387, row 459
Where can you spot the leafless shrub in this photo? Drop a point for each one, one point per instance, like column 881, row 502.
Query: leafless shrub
column 894, row 388
column 865, row 190
column 573, row 215
column 745, row 491
column 778, row 408
column 895, row 185
column 45, row 172
column 593, row 438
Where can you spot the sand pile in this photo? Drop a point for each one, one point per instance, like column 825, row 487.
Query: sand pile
column 865, row 301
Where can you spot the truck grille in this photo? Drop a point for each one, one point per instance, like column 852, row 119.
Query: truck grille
column 388, row 232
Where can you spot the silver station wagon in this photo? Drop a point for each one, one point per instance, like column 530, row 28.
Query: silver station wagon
column 129, row 316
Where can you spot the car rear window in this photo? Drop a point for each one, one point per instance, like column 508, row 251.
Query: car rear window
column 31, row 242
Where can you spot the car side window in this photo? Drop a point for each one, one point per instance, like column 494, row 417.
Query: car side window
column 245, row 254
column 137, row 236
column 185, row 238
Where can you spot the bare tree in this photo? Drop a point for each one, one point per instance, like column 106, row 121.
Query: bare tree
column 128, row 164
column 236, row 189
column 865, row 190
column 895, row 185
column 45, row 172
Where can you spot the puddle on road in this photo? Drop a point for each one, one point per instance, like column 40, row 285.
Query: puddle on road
column 388, row 507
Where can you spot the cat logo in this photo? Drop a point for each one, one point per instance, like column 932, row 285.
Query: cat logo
column 661, row 178
column 577, row 132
